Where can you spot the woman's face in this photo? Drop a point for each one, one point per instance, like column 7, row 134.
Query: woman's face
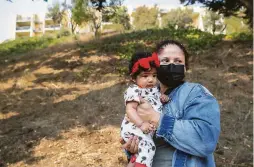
column 171, row 54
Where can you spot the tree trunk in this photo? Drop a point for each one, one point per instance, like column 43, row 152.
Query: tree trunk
column 224, row 28
column 213, row 28
column 72, row 29
column 96, row 32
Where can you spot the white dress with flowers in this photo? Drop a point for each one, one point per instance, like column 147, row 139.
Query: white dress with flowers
column 146, row 148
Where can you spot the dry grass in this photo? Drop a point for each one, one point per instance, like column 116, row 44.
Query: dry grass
column 60, row 108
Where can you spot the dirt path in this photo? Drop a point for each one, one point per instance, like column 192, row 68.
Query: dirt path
column 64, row 109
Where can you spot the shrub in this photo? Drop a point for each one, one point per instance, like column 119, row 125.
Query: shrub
column 63, row 33
column 22, row 45
column 124, row 45
column 243, row 36
column 113, row 27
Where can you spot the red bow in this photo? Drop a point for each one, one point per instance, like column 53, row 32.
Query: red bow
column 145, row 62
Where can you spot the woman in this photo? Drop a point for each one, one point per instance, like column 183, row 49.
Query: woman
column 189, row 128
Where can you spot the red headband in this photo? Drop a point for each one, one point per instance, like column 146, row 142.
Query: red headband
column 145, row 62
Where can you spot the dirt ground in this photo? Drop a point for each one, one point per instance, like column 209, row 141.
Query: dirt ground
column 59, row 107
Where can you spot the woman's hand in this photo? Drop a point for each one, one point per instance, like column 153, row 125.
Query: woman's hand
column 164, row 98
column 145, row 127
column 131, row 145
column 147, row 113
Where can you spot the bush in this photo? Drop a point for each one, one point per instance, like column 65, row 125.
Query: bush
column 22, row 45
column 124, row 45
column 63, row 33
column 243, row 36
column 113, row 27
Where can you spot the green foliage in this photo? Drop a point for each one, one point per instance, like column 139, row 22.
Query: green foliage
column 122, row 70
column 102, row 4
column 80, row 13
column 239, row 8
column 117, row 15
column 124, row 45
column 23, row 45
column 235, row 24
column 212, row 22
column 242, row 36
column 145, row 18
column 180, row 17
column 96, row 20
column 55, row 13
column 114, row 27
column 63, row 33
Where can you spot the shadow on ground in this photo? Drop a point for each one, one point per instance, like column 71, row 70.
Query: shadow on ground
column 65, row 109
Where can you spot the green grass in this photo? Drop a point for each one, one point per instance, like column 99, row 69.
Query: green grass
column 114, row 27
column 126, row 44
column 242, row 36
column 24, row 45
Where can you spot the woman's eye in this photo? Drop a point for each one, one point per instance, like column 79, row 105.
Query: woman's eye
column 154, row 76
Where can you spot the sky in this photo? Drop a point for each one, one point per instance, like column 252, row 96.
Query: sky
column 9, row 10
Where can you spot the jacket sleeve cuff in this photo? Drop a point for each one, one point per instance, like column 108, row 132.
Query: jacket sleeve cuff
column 165, row 128
column 128, row 155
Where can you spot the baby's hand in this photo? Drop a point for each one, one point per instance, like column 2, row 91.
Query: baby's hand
column 152, row 128
column 164, row 98
column 145, row 127
column 127, row 118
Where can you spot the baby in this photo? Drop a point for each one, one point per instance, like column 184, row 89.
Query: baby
column 144, row 77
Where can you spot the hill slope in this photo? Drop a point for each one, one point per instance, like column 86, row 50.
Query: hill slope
column 64, row 108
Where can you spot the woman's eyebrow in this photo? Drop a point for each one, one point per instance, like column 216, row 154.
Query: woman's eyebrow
column 164, row 58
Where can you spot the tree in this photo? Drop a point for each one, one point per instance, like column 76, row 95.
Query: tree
column 79, row 14
column 118, row 15
column 228, row 7
column 179, row 17
column 96, row 19
column 101, row 4
column 235, row 24
column 83, row 12
column 144, row 17
column 56, row 13
column 213, row 22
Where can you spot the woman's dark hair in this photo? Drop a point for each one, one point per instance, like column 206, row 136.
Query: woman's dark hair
column 163, row 44
column 137, row 56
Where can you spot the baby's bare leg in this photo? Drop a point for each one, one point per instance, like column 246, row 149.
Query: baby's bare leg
column 131, row 164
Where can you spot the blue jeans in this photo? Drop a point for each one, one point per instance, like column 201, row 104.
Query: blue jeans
column 164, row 153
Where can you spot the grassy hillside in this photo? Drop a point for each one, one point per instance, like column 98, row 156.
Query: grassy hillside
column 23, row 45
column 62, row 105
column 125, row 44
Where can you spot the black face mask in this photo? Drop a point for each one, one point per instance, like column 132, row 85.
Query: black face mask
column 171, row 75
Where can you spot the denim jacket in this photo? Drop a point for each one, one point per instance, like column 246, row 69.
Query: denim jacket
column 191, row 123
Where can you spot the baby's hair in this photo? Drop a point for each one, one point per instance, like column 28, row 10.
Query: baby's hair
column 137, row 56
column 163, row 44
